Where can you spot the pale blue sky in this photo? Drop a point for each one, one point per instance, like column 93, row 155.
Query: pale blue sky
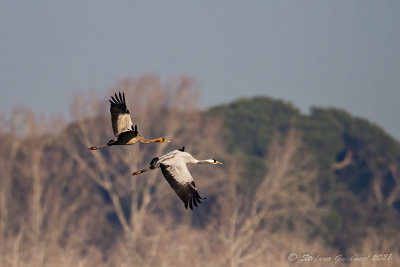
column 324, row 53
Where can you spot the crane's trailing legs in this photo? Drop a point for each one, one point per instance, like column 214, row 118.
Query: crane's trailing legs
column 98, row 147
column 141, row 171
column 110, row 143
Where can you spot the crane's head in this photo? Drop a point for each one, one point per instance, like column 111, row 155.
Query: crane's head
column 216, row 162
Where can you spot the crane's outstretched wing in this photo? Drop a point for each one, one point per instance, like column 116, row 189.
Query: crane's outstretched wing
column 179, row 178
column 120, row 117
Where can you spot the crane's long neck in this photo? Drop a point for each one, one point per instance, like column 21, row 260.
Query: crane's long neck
column 205, row 161
column 157, row 140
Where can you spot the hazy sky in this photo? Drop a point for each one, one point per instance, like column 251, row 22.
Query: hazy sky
column 325, row 53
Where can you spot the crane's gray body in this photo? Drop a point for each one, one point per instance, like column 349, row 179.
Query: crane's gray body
column 175, row 162
column 173, row 167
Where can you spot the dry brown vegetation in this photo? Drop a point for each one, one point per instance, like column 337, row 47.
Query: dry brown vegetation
column 63, row 205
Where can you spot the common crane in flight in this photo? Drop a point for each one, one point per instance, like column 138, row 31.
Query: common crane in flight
column 173, row 167
column 122, row 125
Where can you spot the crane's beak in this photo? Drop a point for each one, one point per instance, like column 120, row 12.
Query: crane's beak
column 218, row 162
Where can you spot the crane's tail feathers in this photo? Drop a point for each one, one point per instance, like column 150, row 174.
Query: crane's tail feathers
column 141, row 171
column 97, row 147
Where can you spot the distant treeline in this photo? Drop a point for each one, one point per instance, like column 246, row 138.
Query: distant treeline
column 323, row 183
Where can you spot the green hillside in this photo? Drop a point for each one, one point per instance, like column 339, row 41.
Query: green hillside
column 330, row 134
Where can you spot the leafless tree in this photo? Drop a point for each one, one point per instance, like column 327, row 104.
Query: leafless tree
column 56, row 195
column 172, row 110
column 34, row 212
column 246, row 231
